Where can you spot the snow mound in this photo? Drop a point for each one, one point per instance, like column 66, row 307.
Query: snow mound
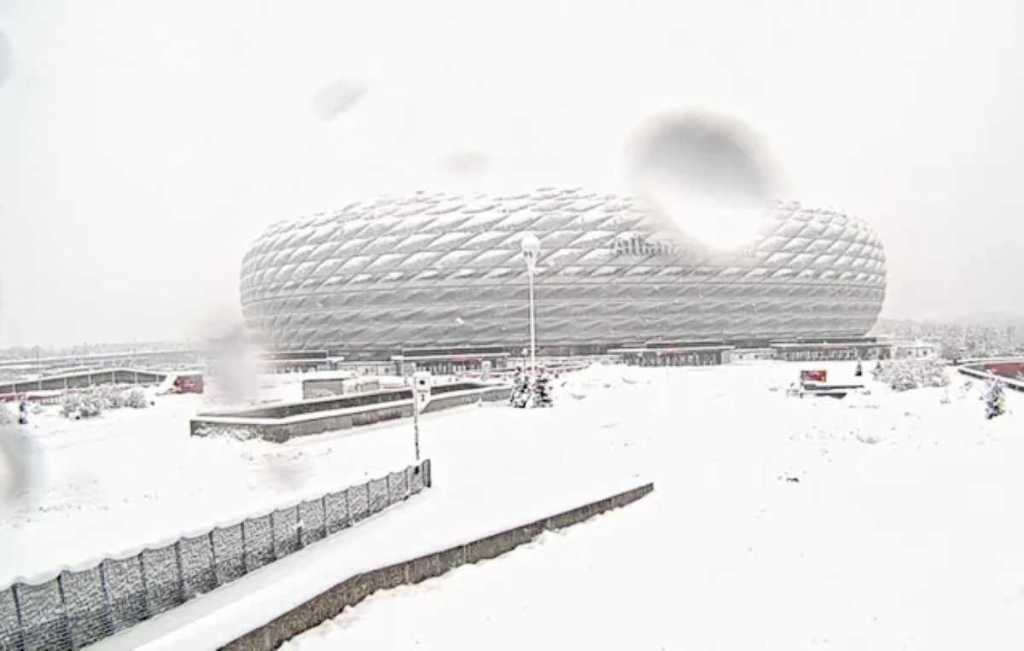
column 6, row 417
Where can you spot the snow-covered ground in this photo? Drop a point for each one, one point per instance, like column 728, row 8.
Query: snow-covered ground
column 878, row 521
column 882, row 521
column 129, row 478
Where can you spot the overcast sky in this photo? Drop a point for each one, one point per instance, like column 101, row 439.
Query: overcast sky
column 144, row 145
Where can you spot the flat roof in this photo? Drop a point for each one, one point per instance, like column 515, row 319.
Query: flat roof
column 454, row 357
column 676, row 349
column 850, row 344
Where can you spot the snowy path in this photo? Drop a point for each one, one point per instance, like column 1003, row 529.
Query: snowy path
column 901, row 533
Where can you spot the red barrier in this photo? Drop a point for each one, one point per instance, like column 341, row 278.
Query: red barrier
column 819, row 375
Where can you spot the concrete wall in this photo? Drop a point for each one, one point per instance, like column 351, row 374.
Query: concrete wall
column 314, row 406
column 281, row 432
column 988, row 377
column 325, row 387
column 365, row 415
column 329, row 604
column 83, row 379
column 447, row 401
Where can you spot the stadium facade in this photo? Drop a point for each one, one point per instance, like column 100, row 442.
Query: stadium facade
column 437, row 271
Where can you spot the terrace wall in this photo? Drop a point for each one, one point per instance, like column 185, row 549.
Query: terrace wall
column 281, row 423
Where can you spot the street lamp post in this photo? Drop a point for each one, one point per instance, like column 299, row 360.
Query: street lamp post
column 416, row 420
column 531, row 251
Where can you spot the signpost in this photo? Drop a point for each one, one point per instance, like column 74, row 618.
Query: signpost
column 420, row 391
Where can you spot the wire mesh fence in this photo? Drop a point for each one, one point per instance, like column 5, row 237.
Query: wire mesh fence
column 75, row 609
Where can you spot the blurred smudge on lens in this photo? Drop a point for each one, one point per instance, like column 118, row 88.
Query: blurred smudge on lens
column 5, row 58
column 233, row 357
column 704, row 176
column 466, row 163
column 337, row 98
column 21, row 470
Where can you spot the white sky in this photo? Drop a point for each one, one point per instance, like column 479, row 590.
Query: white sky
column 144, row 145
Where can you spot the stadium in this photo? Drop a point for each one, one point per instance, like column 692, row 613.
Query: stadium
column 444, row 272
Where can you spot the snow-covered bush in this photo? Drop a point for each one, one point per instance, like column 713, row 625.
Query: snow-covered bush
column 906, row 374
column 82, row 404
column 135, row 398
column 108, row 394
column 85, row 403
column 870, row 439
column 7, row 417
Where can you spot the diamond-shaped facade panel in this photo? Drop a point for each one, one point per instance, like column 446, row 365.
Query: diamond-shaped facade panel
column 436, row 270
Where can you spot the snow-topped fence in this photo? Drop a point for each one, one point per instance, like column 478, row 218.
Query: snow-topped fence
column 77, row 608
column 984, row 374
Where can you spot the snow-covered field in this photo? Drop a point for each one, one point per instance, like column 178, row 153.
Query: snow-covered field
column 878, row 521
column 882, row 521
column 130, row 478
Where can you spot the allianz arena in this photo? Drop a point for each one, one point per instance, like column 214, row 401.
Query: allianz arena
column 443, row 272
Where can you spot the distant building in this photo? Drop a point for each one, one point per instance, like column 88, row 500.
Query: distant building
column 916, row 350
column 440, row 272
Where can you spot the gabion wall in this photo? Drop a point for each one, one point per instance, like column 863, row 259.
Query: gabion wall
column 78, row 608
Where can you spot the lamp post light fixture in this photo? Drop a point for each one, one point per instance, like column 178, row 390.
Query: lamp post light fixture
column 531, row 251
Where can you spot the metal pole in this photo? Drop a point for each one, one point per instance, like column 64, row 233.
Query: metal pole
column 17, row 614
column 182, row 590
column 107, row 604
column 323, row 501
column 533, row 333
column 273, row 536
column 245, row 555
column 145, row 585
column 213, row 560
column 64, row 611
column 416, row 419
column 348, row 508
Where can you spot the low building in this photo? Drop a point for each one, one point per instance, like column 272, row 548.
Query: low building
column 832, row 351
column 749, row 354
column 916, row 350
column 673, row 355
column 451, row 361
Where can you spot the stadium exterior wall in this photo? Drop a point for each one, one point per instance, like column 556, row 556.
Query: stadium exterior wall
column 443, row 271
